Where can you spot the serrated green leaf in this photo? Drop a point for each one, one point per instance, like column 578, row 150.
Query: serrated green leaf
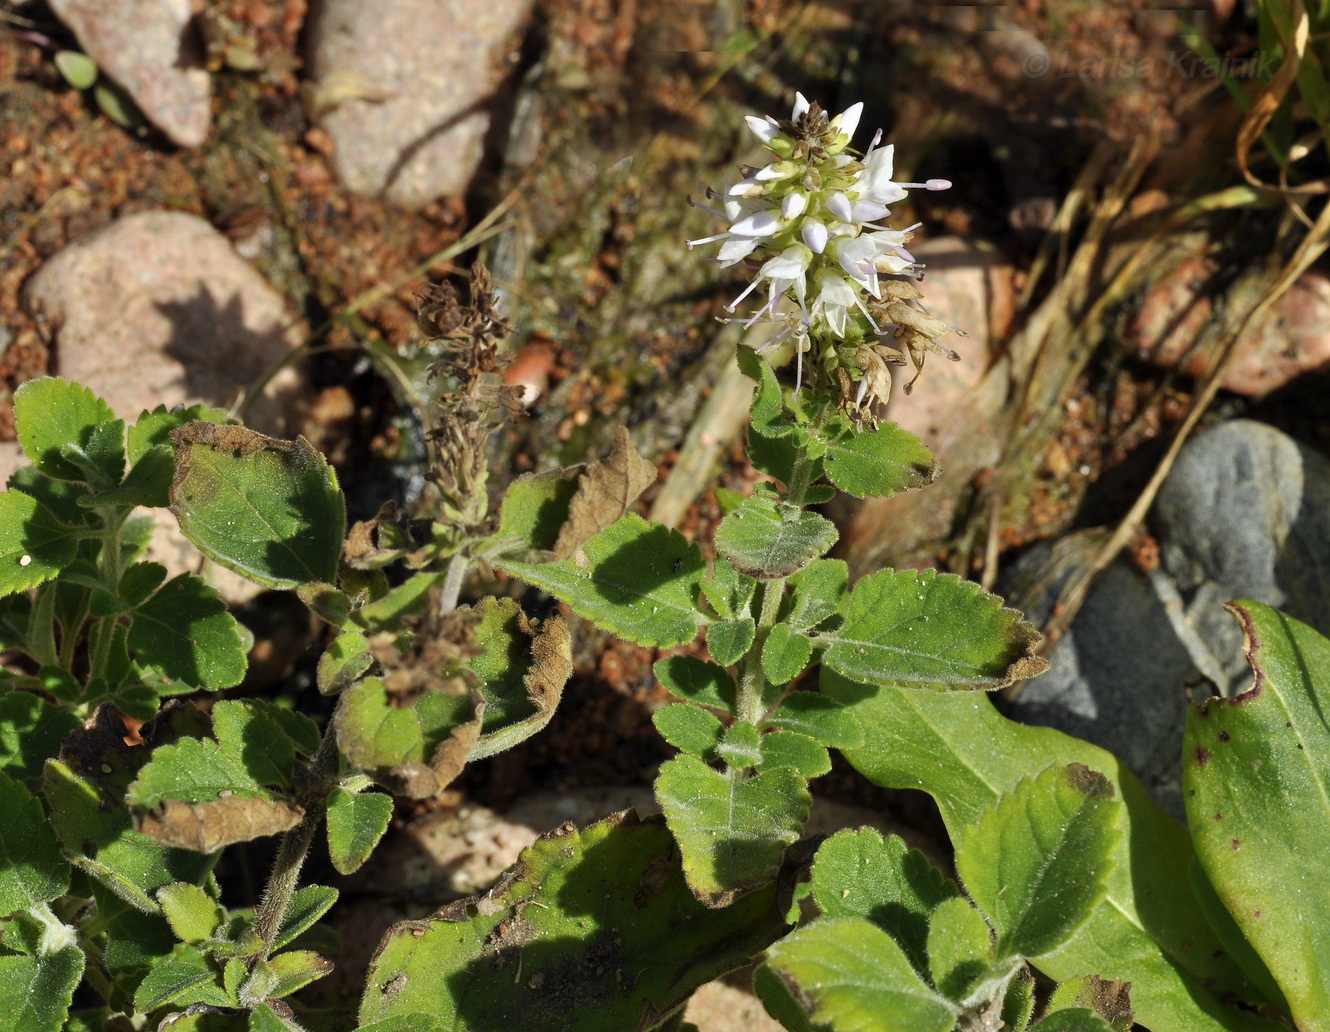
column 785, row 654
column 697, row 681
column 732, row 828
column 820, row 718
column 608, row 935
column 184, row 978
column 856, row 979
column 767, row 539
column 37, row 986
column 787, row 749
column 32, row 871
column 1055, row 837
column 346, row 659
column 153, row 429
column 306, row 907
column 960, row 950
column 1255, row 772
column 34, row 545
column 1150, row 930
column 862, row 874
column 356, row 822
column 269, row 510
column 185, row 631
column 728, row 641
column 689, row 729
column 779, row 457
column 31, row 730
column 52, row 413
column 193, row 915
column 637, row 579
column 779, row 1000
column 876, row 463
column 919, row 629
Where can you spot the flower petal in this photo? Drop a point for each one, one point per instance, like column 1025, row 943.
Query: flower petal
column 760, row 224
column 815, row 235
column 765, row 129
column 801, row 106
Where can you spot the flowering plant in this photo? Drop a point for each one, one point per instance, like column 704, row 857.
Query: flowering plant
column 124, row 775
column 806, row 223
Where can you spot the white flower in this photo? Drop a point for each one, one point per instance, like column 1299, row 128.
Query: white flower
column 810, row 222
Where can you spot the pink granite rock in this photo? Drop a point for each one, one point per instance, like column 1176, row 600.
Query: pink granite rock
column 148, row 48
column 158, row 309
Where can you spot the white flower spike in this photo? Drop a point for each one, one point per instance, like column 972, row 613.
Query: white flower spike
column 808, row 226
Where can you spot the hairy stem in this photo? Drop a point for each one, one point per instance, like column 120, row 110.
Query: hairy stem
column 285, row 875
column 452, row 583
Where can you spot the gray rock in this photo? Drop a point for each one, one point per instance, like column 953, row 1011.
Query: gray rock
column 1245, row 513
column 146, row 46
column 405, row 89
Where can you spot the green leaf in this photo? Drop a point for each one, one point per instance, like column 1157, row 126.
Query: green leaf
column 637, row 579
column 94, row 826
column 786, row 749
column 54, row 414
column 193, row 915
column 594, row 931
column 38, row 975
column 34, row 545
column 729, row 591
column 689, row 729
column 876, row 463
column 270, row 510
column 695, row 680
column 79, row 70
column 185, row 631
column 823, row 719
column 1256, row 769
column 768, row 539
column 534, row 510
column 406, row 599
column 346, row 659
column 523, row 668
column 858, row 873
column 768, row 416
column 856, row 979
column 306, row 907
column 741, row 746
column 184, row 978
column 1018, row 1004
column 287, row 972
column 1078, row 1019
column 1149, row 931
column 731, row 828
column 32, row 871
column 728, row 641
column 919, row 629
column 356, row 822
column 960, row 952
column 31, row 730
column 1110, row 1001
column 153, row 429
column 820, row 589
column 785, row 654
column 413, row 747
column 203, row 795
column 1054, row 837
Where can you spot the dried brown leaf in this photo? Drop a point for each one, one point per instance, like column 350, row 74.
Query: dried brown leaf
column 605, row 491
column 208, row 827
